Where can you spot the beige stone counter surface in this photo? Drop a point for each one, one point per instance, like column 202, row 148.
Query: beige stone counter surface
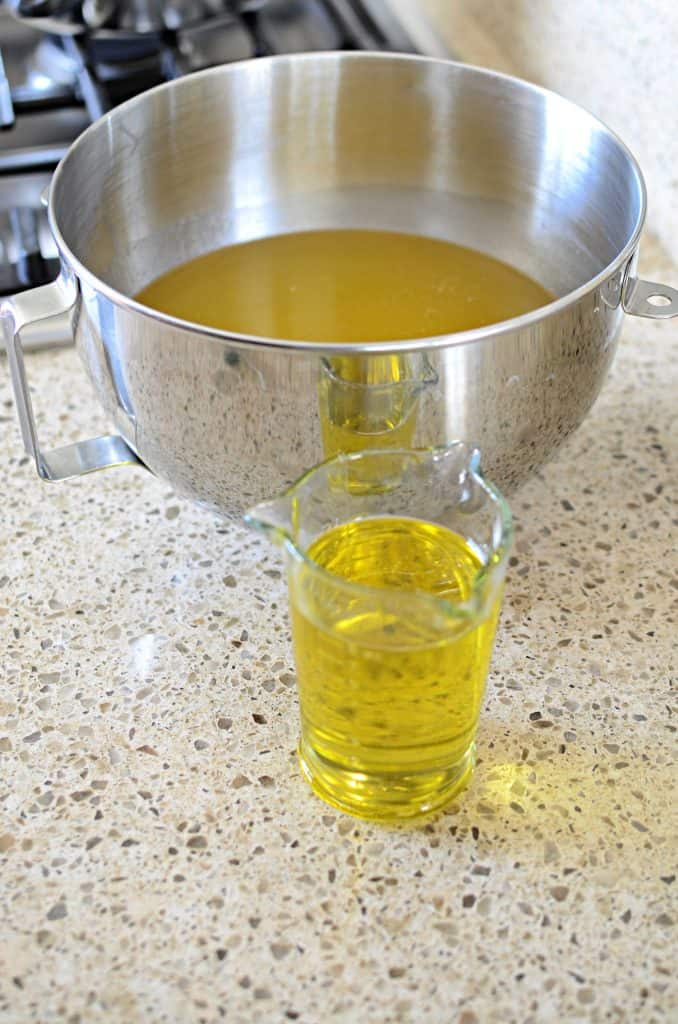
column 161, row 860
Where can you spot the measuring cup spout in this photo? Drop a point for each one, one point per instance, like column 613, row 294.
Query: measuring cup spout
column 273, row 518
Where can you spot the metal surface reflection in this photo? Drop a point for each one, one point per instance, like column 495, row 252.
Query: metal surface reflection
column 371, row 402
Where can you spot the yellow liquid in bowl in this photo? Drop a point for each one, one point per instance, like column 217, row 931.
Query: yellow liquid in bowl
column 389, row 701
column 344, row 286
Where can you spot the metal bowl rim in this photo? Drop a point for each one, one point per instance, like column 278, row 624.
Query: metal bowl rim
column 478, row 334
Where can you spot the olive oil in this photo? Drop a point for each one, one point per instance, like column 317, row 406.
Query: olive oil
column 344, row 286
column 390, row 680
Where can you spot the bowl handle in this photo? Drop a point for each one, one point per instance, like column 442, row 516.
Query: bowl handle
column 46, row 314
column 647, row 298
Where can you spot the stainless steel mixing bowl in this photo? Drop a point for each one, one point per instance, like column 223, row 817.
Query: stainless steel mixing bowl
column 335, row 140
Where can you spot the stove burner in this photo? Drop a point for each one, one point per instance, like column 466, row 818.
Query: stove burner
column 22, row 262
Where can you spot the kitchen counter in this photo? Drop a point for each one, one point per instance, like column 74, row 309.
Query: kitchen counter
column 161, row 858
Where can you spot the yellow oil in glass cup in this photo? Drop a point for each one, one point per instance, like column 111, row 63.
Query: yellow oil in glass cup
column 394, row 590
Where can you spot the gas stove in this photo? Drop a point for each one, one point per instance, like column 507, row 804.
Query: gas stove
column 52, row 86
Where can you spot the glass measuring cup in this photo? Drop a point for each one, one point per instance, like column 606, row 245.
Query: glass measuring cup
column 394, row 590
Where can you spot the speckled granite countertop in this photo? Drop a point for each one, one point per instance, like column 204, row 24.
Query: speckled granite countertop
column 161, row 858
